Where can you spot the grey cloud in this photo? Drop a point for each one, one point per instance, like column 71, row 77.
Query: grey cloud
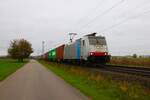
column 52, row 20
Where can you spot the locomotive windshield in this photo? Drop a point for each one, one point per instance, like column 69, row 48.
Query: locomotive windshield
column 97, row 40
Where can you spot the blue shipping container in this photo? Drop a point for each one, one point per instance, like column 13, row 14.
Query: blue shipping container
column 78, row 48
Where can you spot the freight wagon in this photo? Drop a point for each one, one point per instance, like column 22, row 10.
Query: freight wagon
column 60, row 53
column 52, row 55
column 45, row 56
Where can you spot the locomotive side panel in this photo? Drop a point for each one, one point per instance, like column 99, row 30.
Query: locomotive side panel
column 84, row 48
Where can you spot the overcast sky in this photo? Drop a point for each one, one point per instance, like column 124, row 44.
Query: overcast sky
column 124, row 23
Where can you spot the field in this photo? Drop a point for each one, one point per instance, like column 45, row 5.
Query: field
column 8, row 66
column 96, row 86
column 141, row 62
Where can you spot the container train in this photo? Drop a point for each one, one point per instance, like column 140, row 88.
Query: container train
column 90, row 48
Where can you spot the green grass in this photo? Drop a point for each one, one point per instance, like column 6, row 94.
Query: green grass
column 96, row 86
column 8, row 66
column 139, row 62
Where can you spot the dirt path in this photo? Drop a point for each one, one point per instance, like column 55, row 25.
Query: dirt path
column 35, row 82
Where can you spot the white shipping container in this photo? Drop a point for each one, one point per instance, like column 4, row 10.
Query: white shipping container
column 70, row 51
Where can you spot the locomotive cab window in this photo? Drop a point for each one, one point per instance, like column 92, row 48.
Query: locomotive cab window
column 97, row 41
column 83, row 42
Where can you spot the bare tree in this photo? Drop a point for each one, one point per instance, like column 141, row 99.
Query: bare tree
column 20, row 49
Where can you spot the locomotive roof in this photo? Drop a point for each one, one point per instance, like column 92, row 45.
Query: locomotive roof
column 92, row 34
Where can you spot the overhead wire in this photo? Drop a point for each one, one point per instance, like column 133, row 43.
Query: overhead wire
column 102, row 14
column 132, row 16
column 89, row 13
column 123, row 21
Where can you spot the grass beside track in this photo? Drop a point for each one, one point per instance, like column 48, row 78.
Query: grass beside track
column 124, row 61
column 8, row 66
column 97, row 86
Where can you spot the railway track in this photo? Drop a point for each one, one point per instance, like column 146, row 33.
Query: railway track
column 139, row 71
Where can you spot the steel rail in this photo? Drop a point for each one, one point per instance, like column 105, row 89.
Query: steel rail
column 140, row 71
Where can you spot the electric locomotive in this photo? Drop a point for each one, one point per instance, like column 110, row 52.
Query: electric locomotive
column 90, row 48
column 95, row 49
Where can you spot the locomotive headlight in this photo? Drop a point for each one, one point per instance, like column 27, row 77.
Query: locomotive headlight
column 91, row 53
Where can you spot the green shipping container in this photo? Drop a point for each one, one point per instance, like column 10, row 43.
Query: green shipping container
column 52, row 54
